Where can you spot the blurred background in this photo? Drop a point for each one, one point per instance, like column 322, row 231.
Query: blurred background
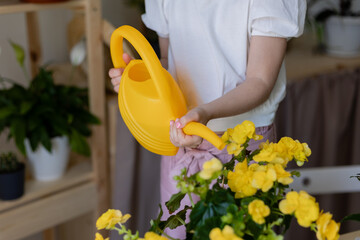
column 322, row 106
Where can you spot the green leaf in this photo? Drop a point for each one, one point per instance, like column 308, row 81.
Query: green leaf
column 255, row 228
column 25, row 107
column 34, row 138
column 78, row 143
column 6, row 111
column 157, row 226
column 17, row 130
column 45, row 139
column 353, row 217
column 177, row 220
column 174, row 203
column 286, row 223
column 295, row 173
column 19, row 53
column 202, row 232
column 215, row 204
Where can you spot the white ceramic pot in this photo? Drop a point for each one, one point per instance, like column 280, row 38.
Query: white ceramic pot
column 48, row 166
column 342, row 36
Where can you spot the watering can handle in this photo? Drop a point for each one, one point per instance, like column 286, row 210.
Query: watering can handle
column 195, row 128
column 147, row 54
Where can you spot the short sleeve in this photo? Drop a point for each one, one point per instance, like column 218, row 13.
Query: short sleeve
column 155, row 17
column 277, row 18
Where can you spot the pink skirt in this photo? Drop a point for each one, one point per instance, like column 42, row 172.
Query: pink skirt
column 193, row 159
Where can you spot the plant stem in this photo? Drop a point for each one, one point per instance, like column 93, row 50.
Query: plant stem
column 180, row 220
column 191, row 200
column 223, row 180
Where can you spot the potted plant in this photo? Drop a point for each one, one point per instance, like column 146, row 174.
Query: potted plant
column 46, row 120
column 12, row 176
column 339, row 24
column 248, row 198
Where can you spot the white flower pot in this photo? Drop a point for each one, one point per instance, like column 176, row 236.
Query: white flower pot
column 342, row 36
column 48, row 166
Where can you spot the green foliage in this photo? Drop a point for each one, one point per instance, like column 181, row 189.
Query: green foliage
column 9, row 162
column 45, row 110
column 352, row 217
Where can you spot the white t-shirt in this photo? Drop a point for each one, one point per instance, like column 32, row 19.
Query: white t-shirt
column 209, row 43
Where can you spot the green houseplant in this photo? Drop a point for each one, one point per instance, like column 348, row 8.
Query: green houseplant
column 43, row 111
column 338, row 26
column 12, row 176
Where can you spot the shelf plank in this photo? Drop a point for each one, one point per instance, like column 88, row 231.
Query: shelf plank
column 16, row 6
column 77, row 174
column 51, row 211
column 302, row 62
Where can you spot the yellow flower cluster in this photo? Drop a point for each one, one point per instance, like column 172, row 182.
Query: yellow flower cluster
column 258, row 211
column 284, row 151
column 246, row 180
column 240, row 180
column 99, row 237
column 110, row 218
column 209, row 168
column 237, row 136
column 304, row 206
column 152, row 236
column 327, row 228
column 226, row 234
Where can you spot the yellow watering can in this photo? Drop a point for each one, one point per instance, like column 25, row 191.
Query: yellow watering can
column 149, row 97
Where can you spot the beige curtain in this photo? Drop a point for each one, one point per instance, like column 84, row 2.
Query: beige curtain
column 324, row 111
column 137, row 181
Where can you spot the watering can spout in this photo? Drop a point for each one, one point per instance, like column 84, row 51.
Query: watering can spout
column 149, row 97
column 195, row 128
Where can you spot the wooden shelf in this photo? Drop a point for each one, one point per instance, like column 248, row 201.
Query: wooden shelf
column 85, row 186
column 15, row 6
column 76, row 175
column 302, row 61
column 46, row 212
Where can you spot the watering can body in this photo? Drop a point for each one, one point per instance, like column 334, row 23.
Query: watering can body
column 149, row 97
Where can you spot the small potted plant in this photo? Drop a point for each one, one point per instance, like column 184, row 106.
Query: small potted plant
column 12, row 176
column 338, row 23
column 46, row 119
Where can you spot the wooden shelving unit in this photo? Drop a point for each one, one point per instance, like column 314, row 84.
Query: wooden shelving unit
column 85, row 187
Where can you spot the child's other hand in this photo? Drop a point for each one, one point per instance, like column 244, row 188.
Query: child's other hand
column 116, row 73
column 178, row 137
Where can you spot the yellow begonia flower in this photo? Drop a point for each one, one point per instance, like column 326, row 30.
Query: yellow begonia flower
column 282, row 176
column 209, row 168
column 327, row 228
column 226, row 234
column 240, row 180
column 267, row 153
column 152, row 236
column 304, row 206
column 263, row 178
column 283, row 152
column 234, row 148
column 109, row 219
column 258, row 211
column 244, row 131
column 99, row 237
column 237, row 136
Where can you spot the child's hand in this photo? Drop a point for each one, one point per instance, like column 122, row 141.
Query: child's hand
column 178, row 137
column 116, row 73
